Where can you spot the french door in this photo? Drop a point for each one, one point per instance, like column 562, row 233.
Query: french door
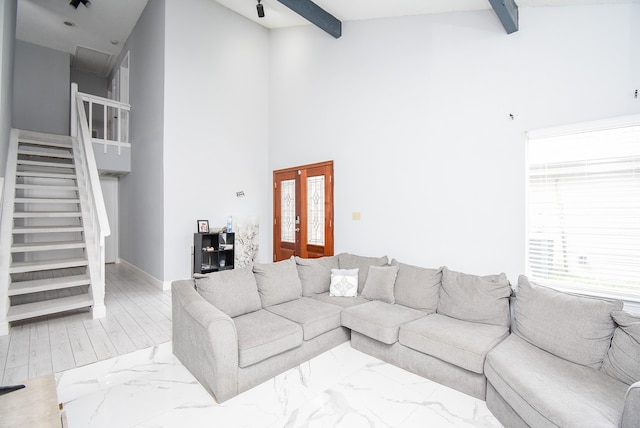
column 303, row 211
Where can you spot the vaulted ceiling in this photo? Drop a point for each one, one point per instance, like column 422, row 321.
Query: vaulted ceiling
column 279, row 16
column 94, row 35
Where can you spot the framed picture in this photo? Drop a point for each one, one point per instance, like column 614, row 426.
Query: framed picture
column 203, row 226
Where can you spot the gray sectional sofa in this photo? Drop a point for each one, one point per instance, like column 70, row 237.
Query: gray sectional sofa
column 571, row 361
column 235, row 329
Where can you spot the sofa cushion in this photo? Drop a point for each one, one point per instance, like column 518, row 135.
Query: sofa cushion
column 462, row 343
column 576, row 328
column 417, row 287
column 234, row 292
column 315, row 274
column 631, row 413
column 623, row 359
column 549, row 391
column 344, row 283
column 263, row 334
column 380, row 283
column 343, row 302
column 314, row 316
column 277, row 282
column 351, row 261
column 379, row 320
column 474, row 298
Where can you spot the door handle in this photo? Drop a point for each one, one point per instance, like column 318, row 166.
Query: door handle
column 297, row 229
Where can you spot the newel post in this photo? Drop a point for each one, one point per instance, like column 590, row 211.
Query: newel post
column 74, row 110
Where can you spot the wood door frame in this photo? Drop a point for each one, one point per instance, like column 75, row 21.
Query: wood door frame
column 301, row 173
column 293, row 248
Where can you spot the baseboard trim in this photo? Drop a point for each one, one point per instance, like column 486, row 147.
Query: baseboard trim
column 161, row 285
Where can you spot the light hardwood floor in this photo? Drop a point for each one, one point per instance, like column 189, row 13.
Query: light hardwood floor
column 138, row 316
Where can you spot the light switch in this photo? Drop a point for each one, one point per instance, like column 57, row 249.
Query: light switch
column 355, row 216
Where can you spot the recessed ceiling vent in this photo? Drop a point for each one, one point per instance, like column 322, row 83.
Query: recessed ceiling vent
column 91, row 60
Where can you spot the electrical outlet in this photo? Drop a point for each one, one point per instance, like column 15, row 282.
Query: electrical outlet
column 355, row 215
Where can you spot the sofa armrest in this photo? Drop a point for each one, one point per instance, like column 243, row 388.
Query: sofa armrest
column 631, row 412
column 204, row 340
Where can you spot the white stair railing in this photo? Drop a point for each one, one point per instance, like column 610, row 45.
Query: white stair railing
column 6, row 226
column 94, row 213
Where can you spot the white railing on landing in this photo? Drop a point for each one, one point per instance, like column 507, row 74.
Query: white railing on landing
column 113, row 115
column 94, row 213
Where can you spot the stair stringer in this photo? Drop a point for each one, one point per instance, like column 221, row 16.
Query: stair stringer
column 93, row 238
column 6, row 226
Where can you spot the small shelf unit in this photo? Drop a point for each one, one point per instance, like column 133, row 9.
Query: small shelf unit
column 213, row 252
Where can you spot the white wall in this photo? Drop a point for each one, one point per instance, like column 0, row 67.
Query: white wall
column 415, row 113
column 216, row 125
column 141, row 212
column 41, row 89
column 90, row 83
column 7, row 46
column 109, row 187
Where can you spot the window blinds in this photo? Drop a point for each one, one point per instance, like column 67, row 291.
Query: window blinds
column 583, row 207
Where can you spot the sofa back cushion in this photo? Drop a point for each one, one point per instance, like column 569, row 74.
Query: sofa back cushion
column 234, row 292
column 351, row 261
column 576, row 328
column 417, row 287
column 277, row 282
column 622, row 362
column 315, row 274
column 380, row 283
column 474, row 298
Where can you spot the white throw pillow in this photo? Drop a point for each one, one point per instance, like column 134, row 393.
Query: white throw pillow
column 344, row 283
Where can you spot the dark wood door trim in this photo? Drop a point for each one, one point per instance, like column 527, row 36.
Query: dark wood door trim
column 301, row 248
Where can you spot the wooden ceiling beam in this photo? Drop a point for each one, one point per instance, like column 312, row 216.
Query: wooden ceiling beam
column 507, row 11
column 316, row 15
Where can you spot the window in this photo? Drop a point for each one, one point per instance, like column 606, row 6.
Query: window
column 583, row 207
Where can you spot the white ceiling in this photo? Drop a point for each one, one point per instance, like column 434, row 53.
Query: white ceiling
column 279, row 16
column 42, row 21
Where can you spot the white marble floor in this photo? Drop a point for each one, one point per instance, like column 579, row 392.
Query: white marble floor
column 340, row 388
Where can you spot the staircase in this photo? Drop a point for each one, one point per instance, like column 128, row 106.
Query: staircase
column 48, row 257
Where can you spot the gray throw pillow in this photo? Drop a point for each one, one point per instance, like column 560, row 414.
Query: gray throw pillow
column 234, row 292
column 351, row 261
column 277, row 282
column 315, row 274
column 483, row 299
column 576, row 328
column 417, row 287
column 623, row 359
column 380, row 283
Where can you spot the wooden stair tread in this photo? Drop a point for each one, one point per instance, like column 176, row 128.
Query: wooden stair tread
column 36, row 309
column 47, row 229
column 57, row 145
column 45, row 164
column 46, row 246
column 38, row 135
column 45, row 174
column 56, row 154
column 21, row 267
column 46, row 187
column 36, row 214
column 43, row 139
column 20, row 200
column 48, row 284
